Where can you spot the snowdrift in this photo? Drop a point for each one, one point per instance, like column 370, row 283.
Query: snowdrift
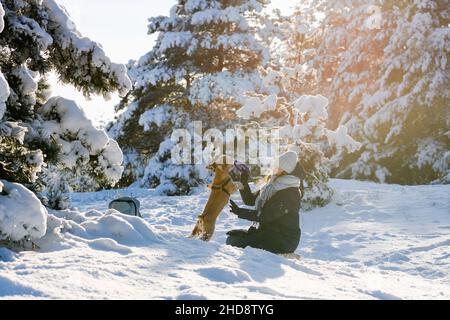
column 373, row 241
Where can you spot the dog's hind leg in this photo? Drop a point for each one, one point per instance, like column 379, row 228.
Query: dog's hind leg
column 208, row 228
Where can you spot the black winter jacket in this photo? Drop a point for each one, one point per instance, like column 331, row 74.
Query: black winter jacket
column 279, row 221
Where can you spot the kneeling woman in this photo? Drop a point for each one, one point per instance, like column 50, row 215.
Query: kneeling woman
column 277, row 207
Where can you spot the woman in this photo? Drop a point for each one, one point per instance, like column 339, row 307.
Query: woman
column 277, row 207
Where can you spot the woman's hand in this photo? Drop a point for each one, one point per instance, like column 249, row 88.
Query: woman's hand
column 246, row 214
column 245, row 176
column 234, row 208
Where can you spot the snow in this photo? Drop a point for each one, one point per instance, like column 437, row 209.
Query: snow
column 72, row 121
column 28, row 83
column 224, row 85
column 4, row 94
column 4, row 88
column 227, row 15
column 115, row 129
column 251, row 109
column 2, row 14
column 110, row 161
column 30, row 28
column 341, row 139
column 194, row 5
column 13, row 129
column 66, row 123
column 22, row 215
column 169, row 40
column 394, row 86
column 316, row 106
column 255, row 106
column 158, row 116
column 373, row 241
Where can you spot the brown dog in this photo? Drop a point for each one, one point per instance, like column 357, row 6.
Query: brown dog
column 221, row 190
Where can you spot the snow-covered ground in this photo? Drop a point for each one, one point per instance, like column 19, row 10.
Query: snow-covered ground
column 373, row 242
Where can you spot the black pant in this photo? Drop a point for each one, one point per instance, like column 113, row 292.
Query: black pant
column 255, row 239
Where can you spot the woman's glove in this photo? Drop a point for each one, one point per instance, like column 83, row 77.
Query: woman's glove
column 244, row 171
column 234, row 208
column 245, row 176
column 246, row 214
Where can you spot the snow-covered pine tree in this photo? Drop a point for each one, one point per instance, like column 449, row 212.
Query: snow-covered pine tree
column 344, row 66
column 292, row 46
column 405, row 119
column 205, row 58
column 49, row 144
column 383, row 65
column 22, row 217
column 14, row 156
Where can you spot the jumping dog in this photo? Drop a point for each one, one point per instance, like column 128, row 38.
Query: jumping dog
column 222, row 188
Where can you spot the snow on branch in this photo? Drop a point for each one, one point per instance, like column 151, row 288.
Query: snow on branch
column 29, row 27
column 227, row 15
column 4, row 94
column 255, row 106
column 341, row 139
column 4, row 88
column 65, row 122
column 2, row 14
column 315, row 106
column 73, row 49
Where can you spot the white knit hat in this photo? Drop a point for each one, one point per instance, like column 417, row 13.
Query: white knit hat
column 288, row 161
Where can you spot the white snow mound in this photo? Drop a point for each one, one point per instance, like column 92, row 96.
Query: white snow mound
column 22, row 215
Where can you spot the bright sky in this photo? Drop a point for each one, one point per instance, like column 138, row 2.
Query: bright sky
column 121, row 28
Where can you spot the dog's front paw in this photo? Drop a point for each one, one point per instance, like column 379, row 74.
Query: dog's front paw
column 205, row 237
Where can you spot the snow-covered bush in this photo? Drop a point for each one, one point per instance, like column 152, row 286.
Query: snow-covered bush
column 87, row 159
column 205, row 58
column 49, row 145
column 22, row 216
